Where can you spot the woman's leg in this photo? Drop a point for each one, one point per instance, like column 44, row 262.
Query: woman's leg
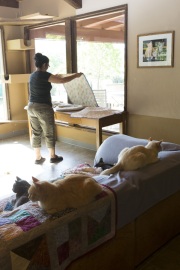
column 48, row 126
column 36, row 133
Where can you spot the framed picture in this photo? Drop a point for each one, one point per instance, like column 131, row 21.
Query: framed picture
column 156, row 50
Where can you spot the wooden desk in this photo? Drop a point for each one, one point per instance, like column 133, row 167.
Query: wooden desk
column 97, row 123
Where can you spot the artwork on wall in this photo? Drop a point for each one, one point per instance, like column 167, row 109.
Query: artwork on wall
column 9, row 3
column 156, row 50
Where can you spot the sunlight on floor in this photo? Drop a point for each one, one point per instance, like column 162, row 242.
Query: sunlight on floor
column 15, row 160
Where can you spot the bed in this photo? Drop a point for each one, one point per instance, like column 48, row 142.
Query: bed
column 148, row 204
column 139, row 212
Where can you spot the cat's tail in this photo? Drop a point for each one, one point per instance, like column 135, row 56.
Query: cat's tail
column 116, row 168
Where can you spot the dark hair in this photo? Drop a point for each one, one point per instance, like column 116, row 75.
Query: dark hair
column 40, row 59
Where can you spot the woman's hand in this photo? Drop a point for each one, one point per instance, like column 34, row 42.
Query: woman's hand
column 79, row 74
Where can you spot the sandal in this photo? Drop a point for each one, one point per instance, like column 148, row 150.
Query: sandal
column 39, row 161
column 56, row 159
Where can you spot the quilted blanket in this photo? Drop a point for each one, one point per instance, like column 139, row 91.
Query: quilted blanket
column 32, row 239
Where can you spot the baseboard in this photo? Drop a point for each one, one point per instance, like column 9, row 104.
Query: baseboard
column 76, row 143
column 13, row 134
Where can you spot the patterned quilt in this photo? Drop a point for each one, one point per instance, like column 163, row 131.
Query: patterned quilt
column 33, row 239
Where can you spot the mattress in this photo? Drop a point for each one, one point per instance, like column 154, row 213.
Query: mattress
column 137, row 191
column 32, row 239
column 80, row 92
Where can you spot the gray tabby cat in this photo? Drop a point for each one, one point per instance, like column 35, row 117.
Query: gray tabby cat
column 20, row 187
column 73, row 191
column 136, row 157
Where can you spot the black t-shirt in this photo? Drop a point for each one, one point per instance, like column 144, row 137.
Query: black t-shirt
column 39, row 87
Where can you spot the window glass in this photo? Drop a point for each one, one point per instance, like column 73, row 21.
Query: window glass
column 55, row 50
column 50, row 41
column 101, row 57
column 103, row 65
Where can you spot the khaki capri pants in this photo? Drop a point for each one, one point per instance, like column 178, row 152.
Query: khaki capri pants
column 41, row 118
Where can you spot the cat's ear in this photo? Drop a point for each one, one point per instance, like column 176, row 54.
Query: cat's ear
column 150, row 139
column 18, row 178
column 35, row 180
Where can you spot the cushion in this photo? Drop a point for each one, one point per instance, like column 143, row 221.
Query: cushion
column 167, row 146
column 112, row 146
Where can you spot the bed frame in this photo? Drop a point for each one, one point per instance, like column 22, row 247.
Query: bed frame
column 137, row 240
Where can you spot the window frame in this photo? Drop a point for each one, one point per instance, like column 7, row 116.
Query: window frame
column 70, row 35
column 4, row 72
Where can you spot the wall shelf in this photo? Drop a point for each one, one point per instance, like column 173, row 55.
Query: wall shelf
column 19, row 45
column 15, row 78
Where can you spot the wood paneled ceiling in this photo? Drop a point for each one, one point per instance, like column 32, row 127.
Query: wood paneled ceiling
column 114, row 21
column 106, row 27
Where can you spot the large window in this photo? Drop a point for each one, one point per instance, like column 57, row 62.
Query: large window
column 95, row 44
column 100, row 55
column 51, row 42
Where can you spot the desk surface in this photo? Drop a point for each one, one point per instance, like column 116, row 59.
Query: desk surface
column 90, row 112
column 90, row 117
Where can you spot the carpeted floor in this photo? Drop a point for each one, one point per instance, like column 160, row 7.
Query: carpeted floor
column 17, row 159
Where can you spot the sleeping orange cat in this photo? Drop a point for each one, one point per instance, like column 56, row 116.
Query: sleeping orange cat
column 73, row 191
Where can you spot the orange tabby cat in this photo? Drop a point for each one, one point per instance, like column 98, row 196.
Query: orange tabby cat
column 71, row 192
column 136, row 157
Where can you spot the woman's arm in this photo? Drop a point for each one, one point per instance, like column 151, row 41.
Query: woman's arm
column 63, row 78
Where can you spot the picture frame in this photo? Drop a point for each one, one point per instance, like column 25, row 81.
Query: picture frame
column 156, row 50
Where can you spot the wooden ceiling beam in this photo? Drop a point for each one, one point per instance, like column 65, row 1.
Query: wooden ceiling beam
column 100, row 35
column 75, row 3
column 114, row 27
column 9, row 3
column 100, row 20
column 103, row 21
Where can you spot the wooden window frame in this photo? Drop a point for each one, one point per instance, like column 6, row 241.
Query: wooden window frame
column 70, row 35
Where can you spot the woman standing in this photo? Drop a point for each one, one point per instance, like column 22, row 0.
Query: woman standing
column 40, row 111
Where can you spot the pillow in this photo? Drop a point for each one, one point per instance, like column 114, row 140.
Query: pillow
column 167, row 146
column 112, row 146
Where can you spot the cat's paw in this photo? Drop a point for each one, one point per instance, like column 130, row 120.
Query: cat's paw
column 105, row 172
